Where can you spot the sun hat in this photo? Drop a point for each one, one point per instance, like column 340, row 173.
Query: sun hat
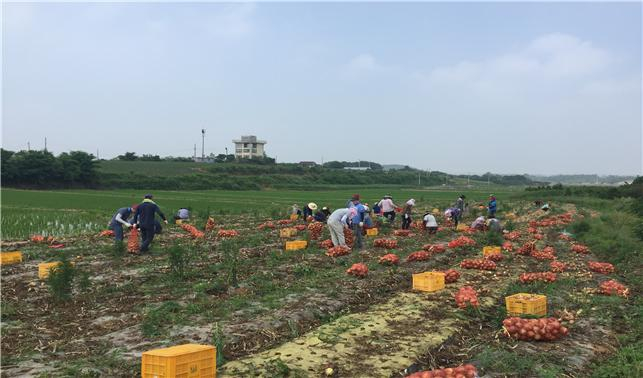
column 355, row 197
column 312, row 206
column 148, row 196
column 411, row 202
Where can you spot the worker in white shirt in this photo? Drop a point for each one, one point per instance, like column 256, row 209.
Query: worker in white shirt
column 430, row 224
column 337, row 222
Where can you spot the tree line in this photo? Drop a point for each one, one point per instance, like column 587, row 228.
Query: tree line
column 42, row 169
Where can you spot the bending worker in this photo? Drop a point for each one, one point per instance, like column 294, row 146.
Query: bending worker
column 145, row 221
column 337, row 222
column 119, row 220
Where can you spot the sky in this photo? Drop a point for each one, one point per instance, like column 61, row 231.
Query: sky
column 541, row 88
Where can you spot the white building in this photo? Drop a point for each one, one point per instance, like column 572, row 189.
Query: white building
column 249, row 147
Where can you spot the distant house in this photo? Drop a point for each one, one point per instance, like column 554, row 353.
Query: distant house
column 308, row 164
column 358, row 168
column 249, row 147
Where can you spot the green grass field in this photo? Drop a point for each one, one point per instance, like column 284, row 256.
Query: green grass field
column 64, row 212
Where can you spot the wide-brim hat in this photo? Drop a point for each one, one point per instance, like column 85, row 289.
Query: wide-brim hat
column 355, row 197
column 312, row 206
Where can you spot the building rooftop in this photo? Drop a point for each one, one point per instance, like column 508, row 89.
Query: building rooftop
column 249, row 139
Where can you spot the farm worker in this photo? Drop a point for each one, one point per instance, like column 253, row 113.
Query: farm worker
column 337, row 223
column 388, row 207
column 545, row 207
column 406, row 214
column 145, row 220
column 357, row 222
column 430, row 223
column 322, row 215
column 479, row 223
column 308, row 210
column 295, row 210
column 459, row 204
column 120, row 219
column 493, row 224
column 354, row 199
column 376, row 208
column 454, row 214
column 492, row 206
column 183, row 214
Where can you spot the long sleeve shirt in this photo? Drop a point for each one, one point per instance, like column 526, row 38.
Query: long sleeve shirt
column 387, row 205
column 145, row 214
column 339, row 215
column 122, row 215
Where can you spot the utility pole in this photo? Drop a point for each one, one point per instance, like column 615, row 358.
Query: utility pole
column 194, row 151
column 28, row 146
column 419, row 173
column 45, row 144
column 97, row 155
column 202, row 145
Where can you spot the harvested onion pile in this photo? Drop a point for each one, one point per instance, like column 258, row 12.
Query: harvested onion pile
column 532, row 230
column 434, row 248
column 462, row 241
column 348, row 237
column 340, row 250
column 564, row 237
column 495, row 257
column 538, row 276
column 132, row 241
column 599, row 267
column 451, row 276
column 466, row 296
column 192, row 230
column 481, row 264
column 315, row 229
column 284, row 221
column 546, row 329
column 390, row 259
column 543, row 255
column 462, row 371
column 557, row 266
column 300, row 227
column 613, row 287
column 326, row 244
column 359, row 270
column 513, row 235
column 418, row 256
column 507, row 246
column 402, row 232
column 580, row 248
column 227, row 233
column 209, row 225
column 526, row 249
column 106, row 233
column 265, row 225
column 385, row 243
column 538, row 236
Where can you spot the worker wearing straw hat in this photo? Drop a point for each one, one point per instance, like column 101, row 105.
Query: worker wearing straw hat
column 309, row 210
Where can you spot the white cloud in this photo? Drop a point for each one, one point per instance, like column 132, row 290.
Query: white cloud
column 553, row 56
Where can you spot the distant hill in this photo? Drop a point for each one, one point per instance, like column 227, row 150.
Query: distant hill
column 394, row 167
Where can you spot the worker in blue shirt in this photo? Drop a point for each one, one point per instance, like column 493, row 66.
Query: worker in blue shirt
column 145, row 220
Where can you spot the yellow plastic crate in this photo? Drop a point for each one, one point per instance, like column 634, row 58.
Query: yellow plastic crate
column 428, row 281
column 435, row 211
column 11, row 258
column 294, row 216
column 462, row 227
column 371, row 232
column 295, row 245
column 181, row 361
column 179, row 221
column 45, row 268
column 491, row 250
column 287, row 232
column 526, row 304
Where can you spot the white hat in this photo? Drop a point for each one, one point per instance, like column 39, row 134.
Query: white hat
column 411, row 202
column 366, row 208
column 312, row 206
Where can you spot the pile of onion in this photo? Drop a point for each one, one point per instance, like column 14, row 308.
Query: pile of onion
column 402, row 232
column 267, row 224
column 315, row 229
column 389, row 259
column 227, row 233
column 526, row 249
column 557, row 266
column 348, row 237
column 192, row 230
column 434, row 248
column 385, row 243
column 359, row 270
column 466, row 296
column 543, row 255
column 340, row 250
column 418, row 256
column 545, row 329
column 451, row 275
column 462, row 241
column 613, row 287
column 326, row 244
column 106, row 233
column 507, row 246
column 209, row 225
column 513, row 235
column 482, row 264
column 538, row 276
column 462, row 371
column 495, row 257
column 300, row 227
column 284, row 221
column 599, row 267
column 580, row 248
column 132, row 241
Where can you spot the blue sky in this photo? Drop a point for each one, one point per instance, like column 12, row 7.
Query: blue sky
column 462, row 88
